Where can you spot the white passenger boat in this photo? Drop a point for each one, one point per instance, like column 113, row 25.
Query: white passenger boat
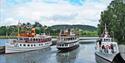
column 27, row 42
column 67, row 40
column 106, row 48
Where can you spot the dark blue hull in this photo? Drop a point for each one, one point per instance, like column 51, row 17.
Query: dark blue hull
column 68, row 48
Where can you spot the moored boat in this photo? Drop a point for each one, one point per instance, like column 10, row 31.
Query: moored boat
column 28, row 41
column 106, row 48
column 67, row 40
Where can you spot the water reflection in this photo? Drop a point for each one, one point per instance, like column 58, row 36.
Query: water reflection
column 84, row 54
column 27, row 57
column 67, row 57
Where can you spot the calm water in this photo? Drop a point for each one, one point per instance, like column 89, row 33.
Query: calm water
column 84, row 54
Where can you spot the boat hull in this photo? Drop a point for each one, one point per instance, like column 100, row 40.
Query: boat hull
column 68, row 48
column 15, row 49
column 116, row 59
column 100, row 59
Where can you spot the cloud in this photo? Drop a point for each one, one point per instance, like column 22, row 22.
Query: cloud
column 52, row 12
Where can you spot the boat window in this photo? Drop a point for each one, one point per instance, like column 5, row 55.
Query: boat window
column 24, row 44
column 106, row 40
column 20, row 44
column 31, row 39
column 34, row 39
column 21, row 39
column 67, row 38
column 26, row 38
column 31, row 45
column 71, row 38
column 61, row 45
column 64, row 39
column 28, row 45
column 66, row 44
column 14, row 40
column 34, row 45
column 39, row 44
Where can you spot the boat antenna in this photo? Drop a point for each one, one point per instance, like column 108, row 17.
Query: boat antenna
column 106, row 32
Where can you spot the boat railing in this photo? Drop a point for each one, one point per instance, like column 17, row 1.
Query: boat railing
column 109, row 48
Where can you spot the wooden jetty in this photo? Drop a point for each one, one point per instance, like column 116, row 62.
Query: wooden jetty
column 2, row 49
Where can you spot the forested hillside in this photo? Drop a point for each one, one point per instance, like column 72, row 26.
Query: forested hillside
column 114, row 18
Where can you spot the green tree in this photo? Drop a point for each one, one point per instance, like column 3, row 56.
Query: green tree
column 114, row 18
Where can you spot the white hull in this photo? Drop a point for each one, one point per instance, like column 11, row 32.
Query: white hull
column 17, row 48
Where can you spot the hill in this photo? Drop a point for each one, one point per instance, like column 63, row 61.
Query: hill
column 82, row 27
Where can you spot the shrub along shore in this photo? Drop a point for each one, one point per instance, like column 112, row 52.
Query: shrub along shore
column 8, row 37
column 14, row 37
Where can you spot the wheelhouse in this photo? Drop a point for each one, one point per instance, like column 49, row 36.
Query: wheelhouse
column 106, row 39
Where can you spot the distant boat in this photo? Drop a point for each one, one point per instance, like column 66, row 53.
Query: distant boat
column 67, row 40
column 28, row 41
column 106, row 49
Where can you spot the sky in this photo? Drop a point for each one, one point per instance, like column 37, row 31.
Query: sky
column 52, row 12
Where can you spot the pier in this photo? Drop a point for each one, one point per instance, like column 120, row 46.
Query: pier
column 2, row 49
column 81, row 40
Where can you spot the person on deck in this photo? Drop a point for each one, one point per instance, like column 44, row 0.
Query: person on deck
column 100, row 42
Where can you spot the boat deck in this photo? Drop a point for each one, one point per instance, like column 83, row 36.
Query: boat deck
column 108, row 57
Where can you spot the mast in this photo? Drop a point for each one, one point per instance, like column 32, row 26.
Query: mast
column 106, row 32
column 105, row 29
column 18, row 28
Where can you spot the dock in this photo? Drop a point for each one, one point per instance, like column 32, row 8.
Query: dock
column 88, row 39
column 81, row 40
column 2, row 49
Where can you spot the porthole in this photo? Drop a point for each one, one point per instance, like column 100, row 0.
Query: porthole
column 31, row 45
column 34, row 45
column 20, row 44
column 28, row 45
column 24, row 44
